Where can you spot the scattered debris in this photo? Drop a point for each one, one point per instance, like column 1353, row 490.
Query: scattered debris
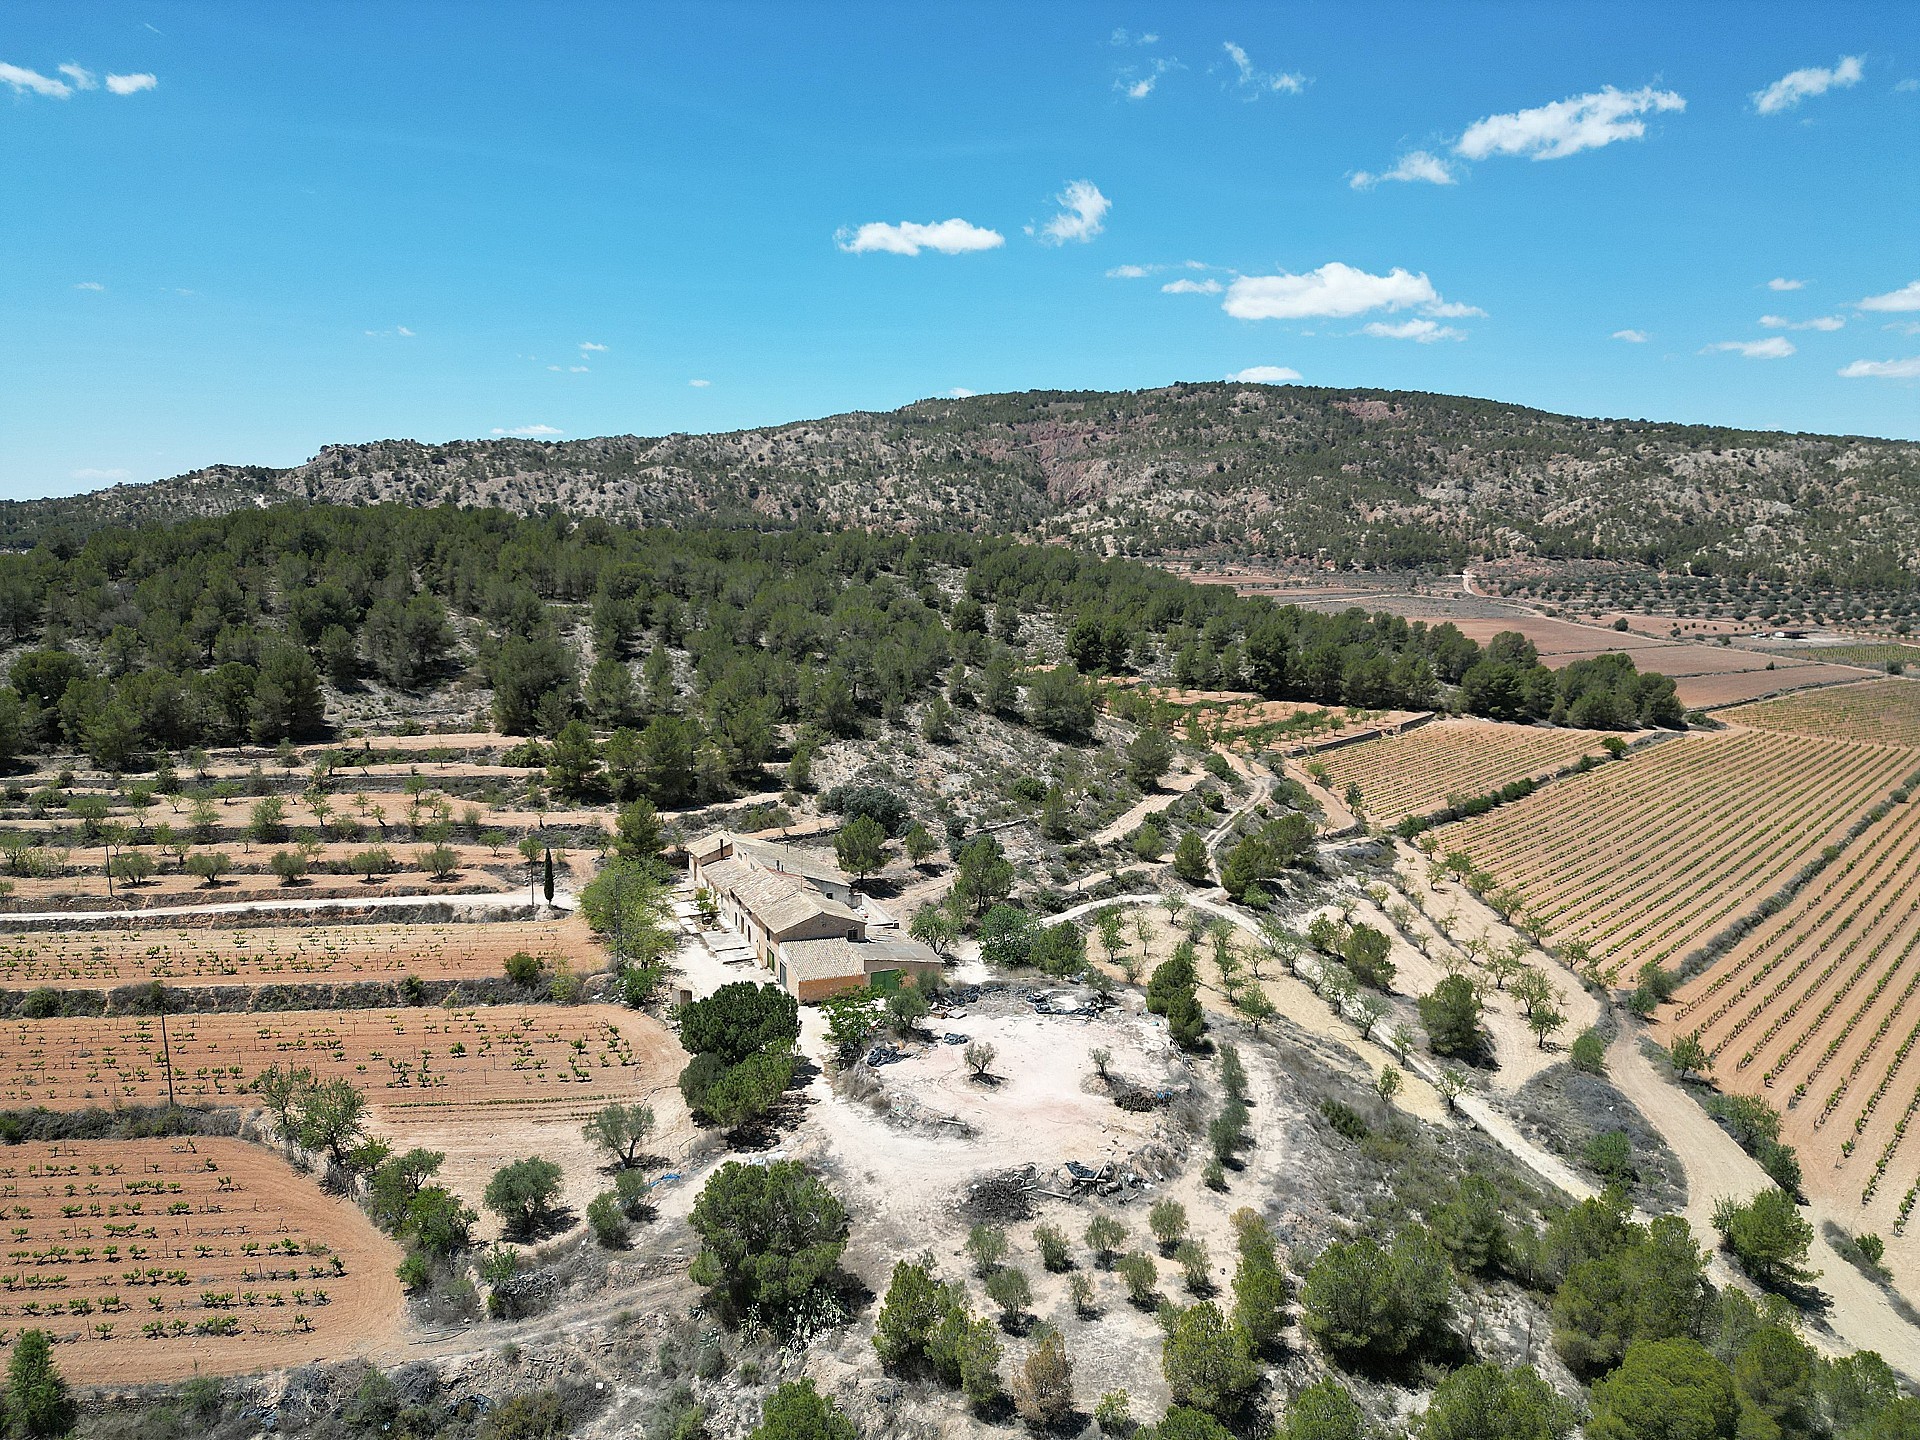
column 1001, row 1198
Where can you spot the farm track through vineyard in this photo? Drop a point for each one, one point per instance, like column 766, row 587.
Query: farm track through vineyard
column 1645, row 859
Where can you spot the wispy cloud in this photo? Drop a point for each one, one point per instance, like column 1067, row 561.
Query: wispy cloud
column 947, row 237
column 1907, row 369
column 1137, row 82
column 1129, row 272
column 1567, row 127
column 1907, row 86
column 1797, row 85
column 530, row 432
column 1632, row 337
column 1082, row 217
column 1122, row 37
column 1254, row 82
column 699, row 384
column 1780, row 282
column 1422, row 332
column 90, row 473
column 577, row 369
column 1774, row 347
column 587, row 347
column 131, row 84
column 1265, row 375
column 1907, row 297
column 1191, row 287
column 82, row 78
column 958, row 392
column 1333, row 291
column 1820, row 322
column 1416, row 166
column 31, row 82
column 89, row 285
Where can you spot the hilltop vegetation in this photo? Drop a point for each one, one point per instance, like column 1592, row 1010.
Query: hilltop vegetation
column 699, row 645
column 1374, row 478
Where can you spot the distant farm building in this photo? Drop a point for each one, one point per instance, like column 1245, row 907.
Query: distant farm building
column 798, row 912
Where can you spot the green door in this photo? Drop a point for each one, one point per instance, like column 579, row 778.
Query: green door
column 885, row 981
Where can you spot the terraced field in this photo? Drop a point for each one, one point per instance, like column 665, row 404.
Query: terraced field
column 425, row 1063
column 1419, row 771
column 1883, row 712
column 1646, row 859
column 334, row 954
column 150, row 1258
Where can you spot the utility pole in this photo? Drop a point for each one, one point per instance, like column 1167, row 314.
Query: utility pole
column 166, row 1049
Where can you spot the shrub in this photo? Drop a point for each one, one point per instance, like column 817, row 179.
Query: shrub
column 1141, row 1275
column 796, row 1412
column 1043, row 1385
column 1054, row 1253
column 609, row 1221
column 525, row 970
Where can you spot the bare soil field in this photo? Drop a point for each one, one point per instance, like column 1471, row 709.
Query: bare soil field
column 1885, row 712
column 560, row 1062
column 1417, row 772
column 150, row 1259
column 1647, row 858
column 290, row 953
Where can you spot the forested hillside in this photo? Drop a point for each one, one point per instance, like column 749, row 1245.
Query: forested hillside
column 1378, row 478
column 714, row 649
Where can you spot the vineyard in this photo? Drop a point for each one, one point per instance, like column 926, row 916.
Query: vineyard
column 1885, row 712
column 335, row 954
column 150, row 1258
column 1418, row 772
column 1817, row 1010
column 419, row 1063
column 1647, row 859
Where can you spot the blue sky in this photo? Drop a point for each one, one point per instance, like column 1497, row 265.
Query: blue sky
column 241, row 232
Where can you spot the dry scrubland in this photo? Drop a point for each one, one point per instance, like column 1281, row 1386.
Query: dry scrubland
column 1421, row 770
column 1647, row 858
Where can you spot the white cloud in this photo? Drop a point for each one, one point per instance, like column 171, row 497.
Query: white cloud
column 1907, row 297
column 1821, row 322
column 554, row 368
column 1256, row 83
column 1780, row 282
column 131, row 84
column 1566, row 127
column 1908, row 84
column 81, row 77
column 530, row 432
column 1081, row 219
column 1790, row 89
column 1423, row 332
column 587, row 345
column 1265, row 375
column 958, row 392
column 1333, row 290
column 576, row 369
column 699, row 384
column 948, row 237
column 1632, row 337
column 1415, row 166
column 1121, row 37
column 1774, row 347
column 1128, row 272
column 32, row 82
column 1452, row 310
column 92, row 474
column 1138, row 85
column 1908, row 369
column 1191, row 287
column 89, row 285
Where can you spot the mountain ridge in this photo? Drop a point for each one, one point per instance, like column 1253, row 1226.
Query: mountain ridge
column 1351, row 475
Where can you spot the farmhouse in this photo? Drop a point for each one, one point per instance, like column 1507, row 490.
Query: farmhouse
column 799, row 913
